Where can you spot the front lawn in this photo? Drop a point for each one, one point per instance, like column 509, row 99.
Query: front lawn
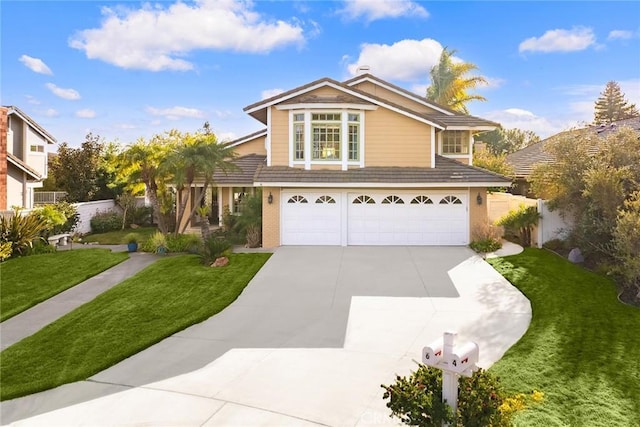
column 118, row 237
column 582, row 348
column 164, row 298
column 27, row 281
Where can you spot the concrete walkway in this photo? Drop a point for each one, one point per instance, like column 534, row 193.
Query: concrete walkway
column 32, row 320
column 308, row 342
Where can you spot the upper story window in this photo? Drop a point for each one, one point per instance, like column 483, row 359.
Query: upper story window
column 298, row 136
column 354, row 136
column 326, row 138
column 36, row 148
column 455, row 142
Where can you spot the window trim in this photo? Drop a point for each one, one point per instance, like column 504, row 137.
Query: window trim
column 464, row 142
column 343, row 159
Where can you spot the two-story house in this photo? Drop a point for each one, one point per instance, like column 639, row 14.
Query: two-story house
column 23, row 157
column 360, row 162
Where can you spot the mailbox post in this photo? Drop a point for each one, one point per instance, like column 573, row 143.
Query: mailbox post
column 453, row 361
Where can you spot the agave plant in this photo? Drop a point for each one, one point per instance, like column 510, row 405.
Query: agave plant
column 21, row 231
column 205, row 230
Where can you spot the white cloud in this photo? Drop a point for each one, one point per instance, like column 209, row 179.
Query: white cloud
column 126, row 126
column 404, row 60
column 223, row 114
column 175, row 113
column 578, row 38
column 620, row 35
column 268, row 93
column 50, row 112
column 493, row 83
column 526, row 120
column 156, row 38
column 372, row 10
column 70, row 94
column 35, row 64
column 32, row 100
column 85, row 113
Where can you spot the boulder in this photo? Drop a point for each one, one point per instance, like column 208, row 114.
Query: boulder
column 220, row 262
column 575, row 256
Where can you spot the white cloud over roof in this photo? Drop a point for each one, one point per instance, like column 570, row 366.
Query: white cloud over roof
column 85, row 113
column 157, row 38
column 69, row 94
column 36, row 65
column 372, row 10
column 175, row 113
column 406, row 60
column 575, row 39
column 620, row 35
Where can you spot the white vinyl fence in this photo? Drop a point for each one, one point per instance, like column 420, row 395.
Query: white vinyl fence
column 87, row 210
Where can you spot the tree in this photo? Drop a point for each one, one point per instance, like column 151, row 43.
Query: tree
column 589, row 181
column 495, row 163
column 612, row 105
column 197, row 157
column 506, row 141
column 83, row 172
column 450, row 84
column 139, row 164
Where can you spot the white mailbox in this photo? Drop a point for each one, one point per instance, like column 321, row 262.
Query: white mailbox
column 464, row 357
column 433, row 353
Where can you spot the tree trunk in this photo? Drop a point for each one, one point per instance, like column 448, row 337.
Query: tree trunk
column 196, row 204
column 152, row 191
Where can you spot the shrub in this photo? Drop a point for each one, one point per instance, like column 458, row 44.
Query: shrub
column 183, row 243
column 155, row 243
column 214, row 247
column 106, row 221
column 141, row 216
column 417, row 400
column 40, row 247
column 521, row 222
column 71, row 214
column 249, row 224
column 485, row 245
column 51, row 216
column 20, row 232
column 132, row 238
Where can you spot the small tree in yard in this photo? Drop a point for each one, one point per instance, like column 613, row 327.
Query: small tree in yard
column 250, row 220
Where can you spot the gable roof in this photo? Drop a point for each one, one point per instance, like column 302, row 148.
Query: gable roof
column 23, row 167
column 446, row 118
column 247, row 166
column 18, row 112
column 447, row 173
column 525, row 160
column 246, row 138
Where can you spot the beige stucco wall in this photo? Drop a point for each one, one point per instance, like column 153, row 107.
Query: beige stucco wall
column 254, row 146
column 392, row 139
column 15, row 188
column 270, row 218
column 478, row 216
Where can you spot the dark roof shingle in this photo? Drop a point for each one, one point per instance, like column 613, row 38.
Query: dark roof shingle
column 247, row 166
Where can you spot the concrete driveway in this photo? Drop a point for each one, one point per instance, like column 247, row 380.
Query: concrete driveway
column 308, row 342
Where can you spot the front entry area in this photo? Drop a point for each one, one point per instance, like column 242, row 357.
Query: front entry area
column 374, row 217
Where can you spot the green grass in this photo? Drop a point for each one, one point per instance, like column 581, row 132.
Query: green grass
column 582, row 348
column 118, row 237
column 164, row 298
column 27, row 281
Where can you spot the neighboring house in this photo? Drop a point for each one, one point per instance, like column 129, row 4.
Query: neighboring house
column 23, row 157
column 360, row 162
column 525, row 160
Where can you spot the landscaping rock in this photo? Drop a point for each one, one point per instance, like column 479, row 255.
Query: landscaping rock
column 220, row 262
column 575, row 256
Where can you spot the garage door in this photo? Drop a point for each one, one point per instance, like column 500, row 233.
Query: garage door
column 407, row 219
column 310, row 218
column 374, row 218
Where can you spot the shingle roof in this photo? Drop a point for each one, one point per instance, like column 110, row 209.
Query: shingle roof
column 25, row 167
column 525, row 160
column 461, row 120
column 247, row 166
column 447, row 171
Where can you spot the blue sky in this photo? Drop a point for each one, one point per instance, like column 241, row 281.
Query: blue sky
column 128, row 69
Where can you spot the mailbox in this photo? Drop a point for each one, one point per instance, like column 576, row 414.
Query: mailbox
column 432, row 354
column 464, row 357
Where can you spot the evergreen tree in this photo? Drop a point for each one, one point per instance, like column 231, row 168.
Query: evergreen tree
column 612, row 105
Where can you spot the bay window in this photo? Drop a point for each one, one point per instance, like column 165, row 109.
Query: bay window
column 455, row 142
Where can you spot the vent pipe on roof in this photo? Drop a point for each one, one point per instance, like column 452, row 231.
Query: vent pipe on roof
column 363, row 69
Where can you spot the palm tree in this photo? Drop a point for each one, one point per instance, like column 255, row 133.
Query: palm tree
column 449, row 84
column 198, row 157
column 140, row 164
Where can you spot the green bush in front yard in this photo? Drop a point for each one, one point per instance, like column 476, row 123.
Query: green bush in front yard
column 103, row 222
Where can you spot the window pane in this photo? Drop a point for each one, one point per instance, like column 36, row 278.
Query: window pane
column 298, row 141
column 354, row 142
column 298, row 117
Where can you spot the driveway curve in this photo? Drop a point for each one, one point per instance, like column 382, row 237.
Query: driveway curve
column 308, row 342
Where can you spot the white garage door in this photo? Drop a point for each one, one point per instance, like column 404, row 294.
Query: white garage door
column 310, row 218
column 407, row 219
column 374, row 218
